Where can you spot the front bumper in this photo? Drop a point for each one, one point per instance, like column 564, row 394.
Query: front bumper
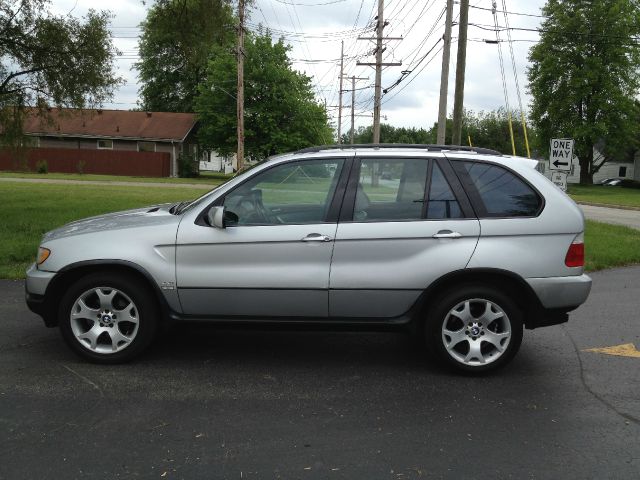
column 35, row 289
column 561, row 292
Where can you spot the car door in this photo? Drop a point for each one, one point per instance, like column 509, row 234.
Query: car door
column 273, row 257
column 405, row 222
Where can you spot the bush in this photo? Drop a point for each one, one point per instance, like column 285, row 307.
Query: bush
column 80, row 166
column 188, row 166
column 42, row 167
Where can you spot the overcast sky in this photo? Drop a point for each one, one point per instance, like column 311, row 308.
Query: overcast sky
column 315, row 28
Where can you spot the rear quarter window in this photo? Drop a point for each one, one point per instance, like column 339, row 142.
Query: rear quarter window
column 503, row 193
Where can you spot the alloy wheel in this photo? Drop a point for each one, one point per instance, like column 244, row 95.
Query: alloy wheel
column 104, row 320
column 476, row 332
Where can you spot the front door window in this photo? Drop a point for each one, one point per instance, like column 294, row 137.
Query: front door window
column 293, row 193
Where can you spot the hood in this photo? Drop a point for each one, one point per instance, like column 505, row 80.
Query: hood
column 137, row 218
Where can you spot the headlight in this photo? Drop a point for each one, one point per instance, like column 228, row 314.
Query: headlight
column 43, row 254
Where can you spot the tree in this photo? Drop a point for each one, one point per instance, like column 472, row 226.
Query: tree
column 281, row 112
column 584, row 77
column 491, row 130
column 177, row 38
column 391, row 134
column 485, row 129
column 48, row 60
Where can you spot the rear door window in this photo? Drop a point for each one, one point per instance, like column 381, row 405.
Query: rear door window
column 390, row 189
column 442, row 201
column 404, row 189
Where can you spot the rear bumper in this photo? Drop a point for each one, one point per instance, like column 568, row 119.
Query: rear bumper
column 561, row 292
column 557, row 296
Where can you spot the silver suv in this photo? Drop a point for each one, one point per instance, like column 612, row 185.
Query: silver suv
column 463, row 246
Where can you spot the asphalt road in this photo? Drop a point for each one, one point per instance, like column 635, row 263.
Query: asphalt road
column 617, row 216
column 233, row 405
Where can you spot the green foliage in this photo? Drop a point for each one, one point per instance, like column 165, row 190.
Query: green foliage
column 51, row 60
column 391, row 134
column 491, row 130
column 187, row 166
column 177, row 37
column 281, row 112
column 485, row 129
column 42, row 167
column 584, row 77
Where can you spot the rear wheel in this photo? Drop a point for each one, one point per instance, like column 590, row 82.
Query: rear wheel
column 474, row 329
column 108, row 318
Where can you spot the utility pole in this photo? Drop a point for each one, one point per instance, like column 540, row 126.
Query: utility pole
column 444, row 77
column 353, row 105
column 378, row 65
column 340, row 93
column 240, row 102
column 458, row 102
column 378, row 84
column 353, row 108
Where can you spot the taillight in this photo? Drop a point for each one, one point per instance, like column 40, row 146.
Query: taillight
column 575, row 254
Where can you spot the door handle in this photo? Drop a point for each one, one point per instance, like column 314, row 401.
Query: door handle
column 447, row 234
column 316, row 237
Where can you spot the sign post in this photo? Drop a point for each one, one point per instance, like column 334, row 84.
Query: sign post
column 561, row 154
column 560, row 180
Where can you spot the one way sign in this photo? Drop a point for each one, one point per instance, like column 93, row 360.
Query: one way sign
column 560, row 154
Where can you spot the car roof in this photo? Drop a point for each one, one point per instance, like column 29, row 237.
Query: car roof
column 418, row 150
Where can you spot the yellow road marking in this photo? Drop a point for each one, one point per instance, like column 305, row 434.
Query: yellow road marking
column 624, row 350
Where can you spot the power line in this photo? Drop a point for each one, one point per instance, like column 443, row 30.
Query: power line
column 329, row 2
column 510, row 13
column 557, row 32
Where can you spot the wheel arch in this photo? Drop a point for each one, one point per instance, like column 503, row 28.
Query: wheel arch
column 72, row 272
column 508, row 282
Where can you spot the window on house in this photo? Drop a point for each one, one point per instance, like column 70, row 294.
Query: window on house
column 622, row 172
column 146, row 146
column 105, row 144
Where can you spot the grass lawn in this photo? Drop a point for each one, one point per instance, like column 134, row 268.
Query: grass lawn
column 212, row 178
column 607, row 195
column 29, row 210
column 609, row 246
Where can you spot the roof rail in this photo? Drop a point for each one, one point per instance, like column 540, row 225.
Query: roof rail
column 417, row 146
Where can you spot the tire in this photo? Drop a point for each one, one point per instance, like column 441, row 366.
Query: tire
column 474, row 329
column 108, row 318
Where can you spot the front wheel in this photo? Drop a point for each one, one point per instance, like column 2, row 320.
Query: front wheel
column 108, row 318
column 474, row 329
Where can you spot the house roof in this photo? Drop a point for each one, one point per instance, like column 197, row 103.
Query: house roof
column 68, row 122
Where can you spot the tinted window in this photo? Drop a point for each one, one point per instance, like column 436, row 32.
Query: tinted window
column 503, row 193
column 292, row 193
column 391, row 189
column 442, row 201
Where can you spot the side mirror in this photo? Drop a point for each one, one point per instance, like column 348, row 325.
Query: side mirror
column 215, row 215
column 218, row 217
